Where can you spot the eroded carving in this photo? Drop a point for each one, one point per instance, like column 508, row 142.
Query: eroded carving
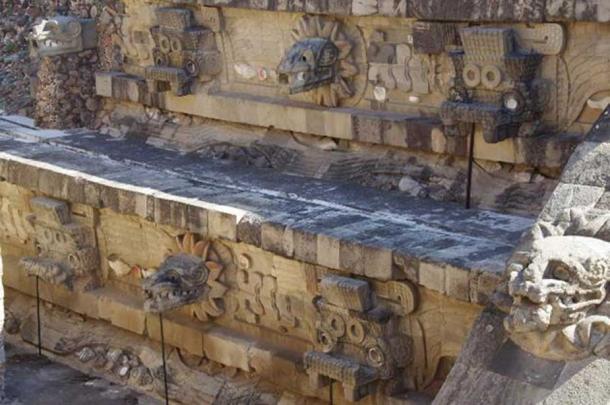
column 184, row 53
column 188, row 276
column 258, row 300
column 558, row 286
column 494, row 85
column 60, row 35
column 359, row 338
column 320, row 61
column 67, row 250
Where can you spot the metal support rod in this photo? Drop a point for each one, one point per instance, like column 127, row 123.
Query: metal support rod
column 38, row 317
column 470, row 167
column 330, row 396
column 163, row 358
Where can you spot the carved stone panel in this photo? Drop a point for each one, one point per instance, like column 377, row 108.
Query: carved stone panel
column 184, row 53
column 259, row 299
column 359, row 337
column 67, row 250
column 494, row 85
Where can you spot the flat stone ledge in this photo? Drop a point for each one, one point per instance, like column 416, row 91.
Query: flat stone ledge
column 438, row 245
column 425, row 134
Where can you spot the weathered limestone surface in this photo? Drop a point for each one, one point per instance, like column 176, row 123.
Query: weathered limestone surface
column 276, row 288
column 291, row 280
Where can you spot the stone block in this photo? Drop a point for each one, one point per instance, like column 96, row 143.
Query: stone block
column 351, row 257
column 222, row 225
column 349, row 293
column 50, row 211
column 249, row 230
column 405, row 266
column 432, row 276
column 121, row 310
column 47, row 42
column 84, row 303
column 378, row 263
column 22, row 174
column 178, row 331
column 290, row 275
column 457, row 283
column 277, row 238
column 170, row 211
column 329, row 251
column 226, row 348
column 103, row 83
column 197, row 219
column 305, row 246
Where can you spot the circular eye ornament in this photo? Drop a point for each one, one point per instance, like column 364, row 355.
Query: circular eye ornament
column 375, row 356
column 192, row 67
column 471, row 75
column 164, row 43
column 491, row 77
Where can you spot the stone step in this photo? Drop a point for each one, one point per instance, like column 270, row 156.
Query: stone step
column 381, row 235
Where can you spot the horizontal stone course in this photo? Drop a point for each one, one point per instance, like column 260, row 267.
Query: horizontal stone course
column 349, row 228
column 411, row 132
column 454, row 10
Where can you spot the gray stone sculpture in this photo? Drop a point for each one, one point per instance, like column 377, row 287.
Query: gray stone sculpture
column 559, row 288
column 61, row 35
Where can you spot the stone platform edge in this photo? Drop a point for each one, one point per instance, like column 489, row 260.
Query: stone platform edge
column 233, row 224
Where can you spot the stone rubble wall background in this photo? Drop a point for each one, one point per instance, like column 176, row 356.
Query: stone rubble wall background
column 65, row 91
column 58, row 92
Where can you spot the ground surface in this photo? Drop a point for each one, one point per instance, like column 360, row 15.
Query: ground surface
column 34, row 380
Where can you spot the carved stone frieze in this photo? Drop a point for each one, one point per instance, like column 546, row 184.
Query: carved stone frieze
column 193, row 274
column 67, row 250
column 258, row 300
column 184, row 53
column 320, row 61
column 359, row 339
column 494, row 85
column 396, row 66
column 558, row 284
column 61, row 35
